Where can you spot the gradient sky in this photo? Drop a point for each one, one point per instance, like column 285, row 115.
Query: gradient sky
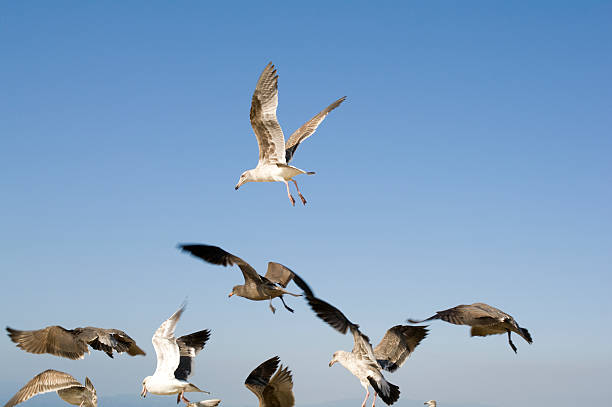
column 470, row 162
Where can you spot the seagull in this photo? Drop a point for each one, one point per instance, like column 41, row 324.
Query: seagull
column 275, row 392
column 364, row 362
column 431, row 403
column 72, row 343
column 484, row 320
column 66, row 386
column 174, row 360
column 274, row 153
column 256, row 287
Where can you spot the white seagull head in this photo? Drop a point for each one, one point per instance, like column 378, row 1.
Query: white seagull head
column 144, row 391
column 245, row 177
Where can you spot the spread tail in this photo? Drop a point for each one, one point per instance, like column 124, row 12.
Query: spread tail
column 388, row 392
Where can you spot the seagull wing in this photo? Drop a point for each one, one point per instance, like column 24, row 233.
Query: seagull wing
column 337, row 320
column 52, row 339
column 107, row 340
column 397, row 344
column 279, row 392
column 45, row 382
column 330, row 314
column 166, row 346
column 218, row 256
column 263, row 118
column 308, row 129
column 279, row 274
column 260, row 377
column 189, row 346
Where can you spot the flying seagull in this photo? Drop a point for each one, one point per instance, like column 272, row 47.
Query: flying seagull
column 72, row 343
column 364, row 362
column 66, row 386
column 256, row 287
column 274, row 153
column 275, row 392
column 484, row 320
column 431, row 403
column 174, row 360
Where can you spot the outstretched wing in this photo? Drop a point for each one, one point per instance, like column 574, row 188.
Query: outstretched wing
column 279, row 392
column 308, row 129
column 218, row 256
column 189, row 346
column 279, row 274
column 337, row 320
column 47, row 381
column 52, row 339
column 397, row 344
column 108, row 340
column 263, row 118
column 330, row 314
column 166, row 347
column 260, row 376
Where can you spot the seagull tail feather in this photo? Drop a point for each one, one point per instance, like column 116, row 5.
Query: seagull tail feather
column 388, row 392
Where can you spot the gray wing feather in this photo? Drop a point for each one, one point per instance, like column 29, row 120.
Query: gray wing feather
column 279, row 274
column 259, row 378
column 52, row 339
column 308, row 129
column 279, row 392
column 269, row 134
column 397, row 345
column 47, row 381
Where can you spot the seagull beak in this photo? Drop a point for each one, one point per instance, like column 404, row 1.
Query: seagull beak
column 230, row 294
column 332, row 363
column 240, row 183
column 143, row 393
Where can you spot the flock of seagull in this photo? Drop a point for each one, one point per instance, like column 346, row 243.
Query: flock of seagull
column 273, row 385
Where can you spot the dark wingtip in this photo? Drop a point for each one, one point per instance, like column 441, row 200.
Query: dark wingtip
column 327, row 313
column 527, row 335
column 302, row 286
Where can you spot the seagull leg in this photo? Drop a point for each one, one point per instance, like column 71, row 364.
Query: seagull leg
column 271, row 306
column 510, row 342
column 299, row 193
column 366, row 397
column 181, row 396
column 289, row 194
column 374, row 401
column 288, row 309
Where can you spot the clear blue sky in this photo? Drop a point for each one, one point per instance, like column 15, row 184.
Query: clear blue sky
column 470, row 162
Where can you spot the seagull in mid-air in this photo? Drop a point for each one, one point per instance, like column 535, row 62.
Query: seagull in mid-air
column 364, row 362
column 484, row 319
column 174, row 360
column 274, row 153
column 256, row 287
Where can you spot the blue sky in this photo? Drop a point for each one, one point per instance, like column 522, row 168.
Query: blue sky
column 470, row 162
